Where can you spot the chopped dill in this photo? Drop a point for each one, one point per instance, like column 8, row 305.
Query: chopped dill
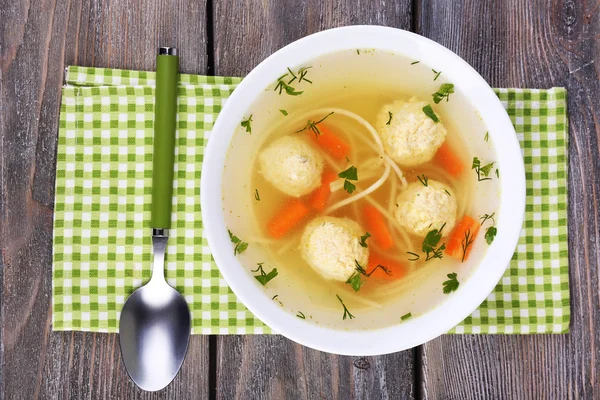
column 356, row 280
column 301, row 315
column 347, row 313
column 497, row 173
column 405, row 317
column 423, row 179
column 414, row 62
column 390, row 117
column 415, row 256
column 437, row 74
column 486, row 137
column 358, row 52
column 312, row 126
column 466, row 243
column 284, row 112
column 274, row 297
column 256, row 195
column 246, row 124
column 447, row 192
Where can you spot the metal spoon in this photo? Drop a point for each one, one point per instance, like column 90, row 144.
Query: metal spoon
column 154, row 329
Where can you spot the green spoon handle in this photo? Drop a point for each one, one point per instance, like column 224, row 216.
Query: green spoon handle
column 165, row 111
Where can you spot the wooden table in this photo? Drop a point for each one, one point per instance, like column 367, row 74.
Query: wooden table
column 512, row 43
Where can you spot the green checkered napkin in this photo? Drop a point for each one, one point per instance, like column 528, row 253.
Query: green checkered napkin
column 102, row 246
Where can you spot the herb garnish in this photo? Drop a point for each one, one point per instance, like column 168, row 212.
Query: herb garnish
column 430, row 244
column 405, row 317
column 447, row 192
column 497, row 173
column 358, row 52
column 285, row 113
column 486, row 137
column 443, row 92
column 246, row 124
column 466, row 243
column 437, row 74
column 363, row 239
column 256, row 195
column 300, row 315
column 491, row 231
column 482, row 170
column 312, row 125
column 390, row 117
column 346, row 312
column 356, row 280
column 430, row 113
column 283, row 86
column 264, row 277
column 274, row 297
column 423, row 179
column 351, row 174
column 240, row 246
column 451, row 284
column 414, row 62
column 415, row 256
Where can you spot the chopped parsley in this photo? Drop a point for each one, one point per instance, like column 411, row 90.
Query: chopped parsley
column 346, row 312
column 486, row 137
column 491, row 231
column 355, row 281
column 405, row 317
column 240, row 246
column 390, row 115
column 430, row 244
column 423, row 179
column 312, row 125
column 451, row 284
column 427, row 110
column 466, row 243
column 285, row 113
column 256, row 195
column 351, row 174
column 264, row 277
column 482, row 171
column 246, row 124
column 443, row 92
column 301, row 315
column 414, row 62
column 363, row 239
column 437, row 74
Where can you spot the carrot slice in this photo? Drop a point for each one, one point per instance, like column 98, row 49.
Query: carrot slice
column 395, row 268
column 378, row 228
column 460, row 242
column 331, row 143
column 287, row 218
column 318, row 199
column 447, row 158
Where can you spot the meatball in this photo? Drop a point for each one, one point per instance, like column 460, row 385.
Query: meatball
column 423, row 208
column 331, row 246
column 411, row 138
column 291, row 165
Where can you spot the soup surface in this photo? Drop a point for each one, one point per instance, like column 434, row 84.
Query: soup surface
column 361, row 189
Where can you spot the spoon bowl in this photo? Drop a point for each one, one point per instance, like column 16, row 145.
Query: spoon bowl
column 154, row 333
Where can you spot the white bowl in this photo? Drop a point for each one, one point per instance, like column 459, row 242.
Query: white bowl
column 482, row 281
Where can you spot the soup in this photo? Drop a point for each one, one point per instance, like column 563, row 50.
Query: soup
column 361, row 198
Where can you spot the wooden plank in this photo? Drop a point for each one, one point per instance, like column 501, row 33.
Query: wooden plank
column 536, row 44
column 37, row 40
column 272, row 366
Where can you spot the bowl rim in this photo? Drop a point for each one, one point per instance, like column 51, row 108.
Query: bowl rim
column 473, row 291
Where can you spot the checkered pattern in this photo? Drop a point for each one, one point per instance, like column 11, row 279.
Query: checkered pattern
column 102, row 248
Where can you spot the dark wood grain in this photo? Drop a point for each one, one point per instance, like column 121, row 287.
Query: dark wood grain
column 37, row 40
column 532, row 44
column 274, row 367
